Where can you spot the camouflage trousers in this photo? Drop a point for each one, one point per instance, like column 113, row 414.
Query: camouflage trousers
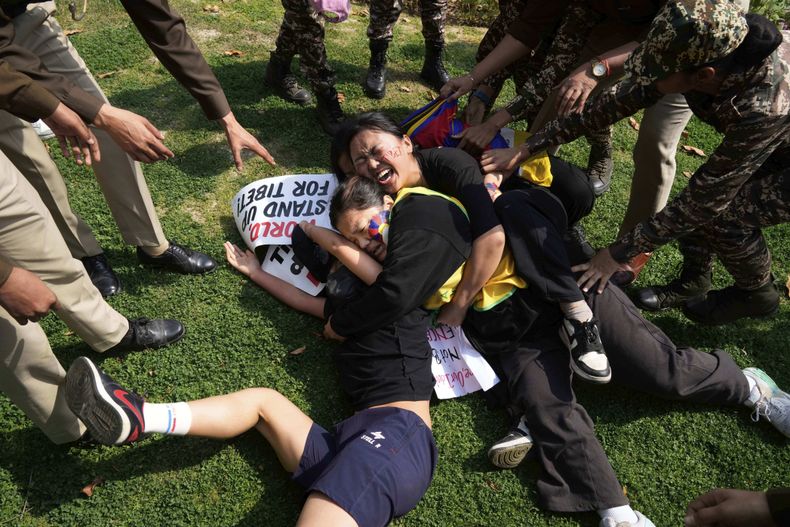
column 384, row 14
column 735, row 236
column 302, row 33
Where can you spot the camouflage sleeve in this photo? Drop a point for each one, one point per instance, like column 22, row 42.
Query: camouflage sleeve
column 560, row 60
column 745, row 147
column 605, row 109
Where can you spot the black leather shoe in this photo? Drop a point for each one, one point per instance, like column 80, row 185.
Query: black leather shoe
column 723, row 306
column 690, row 285
column 179, row 258
column 146, row 333
column 102, row 275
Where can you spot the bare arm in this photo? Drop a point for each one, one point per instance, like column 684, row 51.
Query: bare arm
column 247, row 264
column 362, row 265
column 486, row 253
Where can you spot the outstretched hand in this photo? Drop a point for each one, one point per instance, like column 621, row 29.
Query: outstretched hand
column 729, row 508
column 133, row 133
column 244, row 262
column 503, row 160
column 598, row 270
column 457, row 87
column 75, row 138
column 239, row 139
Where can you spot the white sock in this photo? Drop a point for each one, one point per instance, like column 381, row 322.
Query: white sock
column 623, row 513
column 578, row 310
column 754, row 392
column 170, row 418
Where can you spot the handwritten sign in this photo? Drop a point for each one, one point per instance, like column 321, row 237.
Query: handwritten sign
column 457, row 366
column 280, row 261
column 266, row 211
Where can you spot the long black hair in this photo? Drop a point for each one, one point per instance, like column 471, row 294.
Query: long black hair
column 355, row 193
column 351, row 127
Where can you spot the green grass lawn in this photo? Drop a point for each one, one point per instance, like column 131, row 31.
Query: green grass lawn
column 665, row 453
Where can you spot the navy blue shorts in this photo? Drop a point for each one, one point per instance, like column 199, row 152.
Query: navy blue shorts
column 375, row 465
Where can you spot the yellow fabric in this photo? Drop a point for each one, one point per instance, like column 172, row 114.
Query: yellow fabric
column 536, row 169
column 417, row 121
column 499, row 287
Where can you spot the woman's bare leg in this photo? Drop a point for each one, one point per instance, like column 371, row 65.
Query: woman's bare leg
column 320, row 511
column 283, row 425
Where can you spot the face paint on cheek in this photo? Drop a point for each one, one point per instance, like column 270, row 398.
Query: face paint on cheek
column 392, row 154
column 378, row 228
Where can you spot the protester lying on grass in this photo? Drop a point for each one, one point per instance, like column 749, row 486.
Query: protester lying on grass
column 380, row 151
column 428, row 234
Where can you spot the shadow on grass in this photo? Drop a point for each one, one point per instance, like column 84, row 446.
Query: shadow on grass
column 53, row 475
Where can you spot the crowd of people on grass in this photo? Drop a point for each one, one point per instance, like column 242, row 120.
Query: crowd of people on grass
column 465, row 236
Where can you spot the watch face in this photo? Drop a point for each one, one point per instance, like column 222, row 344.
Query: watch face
column 599, row 69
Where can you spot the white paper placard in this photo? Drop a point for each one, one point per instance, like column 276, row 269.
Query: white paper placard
column 278, row 260
column 267, row 210
column 457, row 366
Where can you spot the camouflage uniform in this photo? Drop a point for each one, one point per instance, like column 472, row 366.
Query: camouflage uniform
column 302, row 33
column 522, row 69
column 745, row 183
column 384, row 14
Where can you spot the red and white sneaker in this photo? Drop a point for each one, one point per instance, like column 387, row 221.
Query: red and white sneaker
column 112, row 414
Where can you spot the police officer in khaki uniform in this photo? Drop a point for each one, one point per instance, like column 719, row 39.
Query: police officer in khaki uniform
column 42, row 276
column 33, row 43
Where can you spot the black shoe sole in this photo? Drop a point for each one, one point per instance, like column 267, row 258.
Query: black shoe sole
column 86, row 397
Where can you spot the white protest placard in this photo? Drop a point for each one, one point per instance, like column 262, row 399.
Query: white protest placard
column 280, row 261
column 267, row 210
column 457, row 366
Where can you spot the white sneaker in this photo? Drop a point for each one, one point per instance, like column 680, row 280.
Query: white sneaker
column 43, row 131
column 642, row 521
column 768, row 401
column 511, row 450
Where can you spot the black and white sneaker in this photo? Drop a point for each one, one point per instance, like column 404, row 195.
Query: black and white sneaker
column 511, row 450
column 112, row 414
column 588, row 358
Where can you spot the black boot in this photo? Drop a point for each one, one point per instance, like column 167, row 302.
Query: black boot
column 691, row 284
column 599, row 164
column 732, row 303
column 433, row 71
column 330, row 115
column 375, row 81
column 279, row 78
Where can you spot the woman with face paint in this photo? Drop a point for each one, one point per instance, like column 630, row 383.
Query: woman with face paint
column 425, row 237
column 533, row 219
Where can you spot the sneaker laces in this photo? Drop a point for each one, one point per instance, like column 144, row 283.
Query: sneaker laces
column 590, row 331
column 761, row 408
column 289, row 83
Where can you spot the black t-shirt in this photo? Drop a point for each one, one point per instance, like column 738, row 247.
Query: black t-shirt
column 387, row 356
column 455, row 173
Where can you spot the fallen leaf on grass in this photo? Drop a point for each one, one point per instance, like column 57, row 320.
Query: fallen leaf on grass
column 68, row 333
column 684, row 134
column 634, row 123
column 88, row 489
column 298, row 351
column 493, row 486
column 405, row 89
column 341, row 97
column 687, row 174
column 73, row 32
column 787, row 286
column 363, row 13
column 694, row 150
column 106, row 74
column 233, row 53
column 211, row 8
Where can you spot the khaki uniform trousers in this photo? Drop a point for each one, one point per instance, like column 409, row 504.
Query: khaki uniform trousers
column 30, row 374
column 120, row 178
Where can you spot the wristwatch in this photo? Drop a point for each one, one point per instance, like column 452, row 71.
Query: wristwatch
column 600, row 68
